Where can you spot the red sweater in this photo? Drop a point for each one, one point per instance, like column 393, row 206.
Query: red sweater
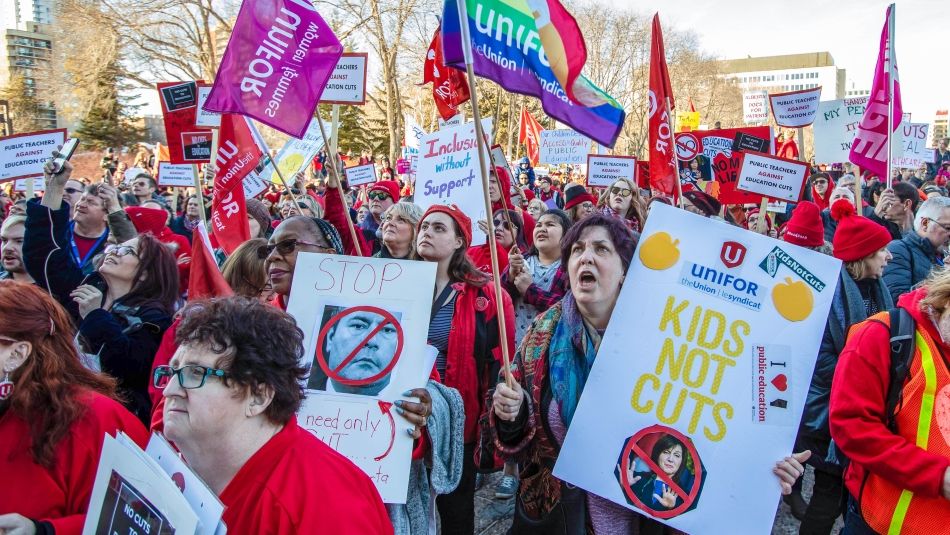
column 60, row 495
column 857, row 411
column 297, row 484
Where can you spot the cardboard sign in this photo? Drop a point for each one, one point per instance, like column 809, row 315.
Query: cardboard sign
column 563, row 146
column 603, row 171
column 297, row 154
column 359, row 175
column 768, row 176
column 365, row 323
column 449, row 173
column 201, row 498
column 755, row 107
column 717, row 160
column 187, row 143
column 176, row 175
column 726, row 324
column 205, row 118
column 39, row 184
column 835, row 126
column 347, row 83
column 915, row 152
column 795, row 109
column 133, row 495
column 24, row 155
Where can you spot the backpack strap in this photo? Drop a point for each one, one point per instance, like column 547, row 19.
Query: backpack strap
column 902, row 343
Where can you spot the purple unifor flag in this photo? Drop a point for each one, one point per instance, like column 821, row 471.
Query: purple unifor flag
column 279, row 58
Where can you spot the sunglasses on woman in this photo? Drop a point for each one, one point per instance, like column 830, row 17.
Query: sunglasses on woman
column 623, row 192
column 285, row 247
column 378, row 196
column 502, row 224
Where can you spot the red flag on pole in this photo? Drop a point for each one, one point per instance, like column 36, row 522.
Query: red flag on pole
column 529, row 135
column 237, row 156
column 205, row 279
column 663, row 172
column 449, row 86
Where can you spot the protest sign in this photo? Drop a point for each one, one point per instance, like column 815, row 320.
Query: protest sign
column 755, row 107
column 347, row 84
column 455, row 120
column 202, row 499
column 772, row 177
column 563, row 146
column 279, row 58
column 205, row 118
column 450, row 174
column 795, row 109
column 187, row 143
column 687, row 121
column 359, row 175
column 132, row 495
column 129, row 175
column 915, row 138
column 835, row 127
column 365, row 323
column 176, row 175
column 726, row 324
column 412, row 136
column 23, row 155
column 402, row 166
column 603, row 171
column 297, row 154
column 253, row 183
column 39, row 184
column 744, row 141
column 499, row 159
column 716, row 159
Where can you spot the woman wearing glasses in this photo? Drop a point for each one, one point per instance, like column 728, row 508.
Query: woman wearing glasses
column 231, row 391
column 622, row 199
column 122, row 308
column 54, row 413
column 509, row 236
column 292, row 236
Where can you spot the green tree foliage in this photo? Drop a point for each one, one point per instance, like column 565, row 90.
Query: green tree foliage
column 110, row 121
column 25, row 108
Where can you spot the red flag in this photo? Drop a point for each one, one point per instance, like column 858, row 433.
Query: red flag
column 237, row 156
column 205, row 278
column 529, row 135
column 663, row 173
column 449, row 86
column 692, row 108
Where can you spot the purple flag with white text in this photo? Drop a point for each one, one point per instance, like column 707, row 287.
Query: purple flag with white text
column 278, row 61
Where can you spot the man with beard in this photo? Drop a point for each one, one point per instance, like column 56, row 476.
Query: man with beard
column 11, row 249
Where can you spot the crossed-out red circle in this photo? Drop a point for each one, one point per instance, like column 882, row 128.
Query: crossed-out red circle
column 631, row 446
column 684, row 151
column 334, row 374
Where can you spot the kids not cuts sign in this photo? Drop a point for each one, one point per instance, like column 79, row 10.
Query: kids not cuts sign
column 701, row 377
column 448, row 172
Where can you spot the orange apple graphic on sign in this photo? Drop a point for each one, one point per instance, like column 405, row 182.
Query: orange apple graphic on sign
column 793, row 299
column 659, row 251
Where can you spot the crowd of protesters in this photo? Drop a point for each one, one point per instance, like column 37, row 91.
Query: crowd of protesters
column 98, row 335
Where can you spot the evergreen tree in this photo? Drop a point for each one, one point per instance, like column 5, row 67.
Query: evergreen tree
column 25, row 108
column 110, row 122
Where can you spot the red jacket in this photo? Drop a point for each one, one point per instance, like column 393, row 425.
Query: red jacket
column 337, row 214
column 60, row 495
column 857, row 411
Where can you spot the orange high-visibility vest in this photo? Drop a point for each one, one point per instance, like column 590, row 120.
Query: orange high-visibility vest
column 886, row 507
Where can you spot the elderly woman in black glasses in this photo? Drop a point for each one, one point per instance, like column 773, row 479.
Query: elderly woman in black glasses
column 293, row 235
column 231, row 391
column 622, row 199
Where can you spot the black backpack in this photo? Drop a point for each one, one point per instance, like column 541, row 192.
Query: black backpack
column 903, row 332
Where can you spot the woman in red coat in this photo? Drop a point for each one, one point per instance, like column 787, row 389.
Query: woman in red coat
column 54, row 413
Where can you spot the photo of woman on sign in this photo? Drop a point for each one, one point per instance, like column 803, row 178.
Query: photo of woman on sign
column 661, row 484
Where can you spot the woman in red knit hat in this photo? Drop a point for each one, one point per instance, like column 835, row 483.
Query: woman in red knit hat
column 464, row 328
column 806, row 229
column 862, row 245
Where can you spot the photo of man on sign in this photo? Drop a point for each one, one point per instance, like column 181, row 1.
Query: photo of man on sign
column 357, row 349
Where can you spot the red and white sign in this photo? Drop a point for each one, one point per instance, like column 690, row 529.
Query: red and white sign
column 181, row 175
column 603, row 171
column 187, row 143
column 797, row 108
column 23, row 155
column 732, row 254
column 755, row 107
column 687, row 147
column 360, row 175
column 775, row 178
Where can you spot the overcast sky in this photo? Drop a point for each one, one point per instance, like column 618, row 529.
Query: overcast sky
column 850, row 30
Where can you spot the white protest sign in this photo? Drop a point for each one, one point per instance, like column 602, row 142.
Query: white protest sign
column 203, row 117
column 448, row 172
column 709, row 352
column 778, row 207
column 795, row 109
column 347, row 84
column 253, row 185
column 755, row 107
column 915, row 152
column 39, row 184
column 412, row 137
column 772, row 177
column 563, row 146
column 23, row 155
column 359, row 175
column 201, row 498
column 835, row 126
column 296, row 154
column 603, row 171
column 455, row 120
column 365, row 323
column 499, row 159
column 180, row 175
column 133, row 495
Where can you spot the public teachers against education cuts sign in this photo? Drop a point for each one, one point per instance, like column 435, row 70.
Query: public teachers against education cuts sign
column 708, row 357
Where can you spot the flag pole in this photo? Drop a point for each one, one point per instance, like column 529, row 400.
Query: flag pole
column 676, row 158
column 482, row 149
column 332, row 158
column 889, row 57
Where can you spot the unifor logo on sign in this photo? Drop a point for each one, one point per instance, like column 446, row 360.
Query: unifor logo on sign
column 732, row 254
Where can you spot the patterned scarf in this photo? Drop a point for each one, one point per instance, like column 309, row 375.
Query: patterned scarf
column 571, row 355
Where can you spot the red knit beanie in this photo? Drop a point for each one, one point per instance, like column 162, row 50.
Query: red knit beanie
column 389, row 187
column 805, row 227
column 147, row 219
column 856, row 237
column 463, row 221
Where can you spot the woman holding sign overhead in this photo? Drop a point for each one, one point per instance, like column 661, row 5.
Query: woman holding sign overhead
column 530, row 419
